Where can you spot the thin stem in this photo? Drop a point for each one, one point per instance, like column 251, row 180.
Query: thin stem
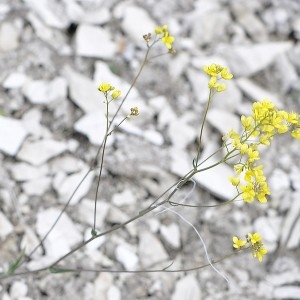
column 202, row 127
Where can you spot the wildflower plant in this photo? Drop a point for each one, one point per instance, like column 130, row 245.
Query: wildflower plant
column 259, row 129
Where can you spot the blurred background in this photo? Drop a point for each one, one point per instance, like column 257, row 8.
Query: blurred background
column 53, row 56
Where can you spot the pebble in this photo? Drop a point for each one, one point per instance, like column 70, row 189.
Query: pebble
column 94, row 41
column 12, row 135
column 18, row 290
column 187, row 288
column 256, row 92
column 44, row 92
column 127, row 257
column 24, row 172
column 171, row 235
column 6, row 227
column 65, row 185
column 37, row 187
column 136, row 22
column 97, row 16
column 83, row 91
column 9, row 37
column 29, row 242
column 291, row 225
column 287, row 292
column 247, row 60
column 126, row 197
column 151, row 250
column 279, row 184
column 63, row 237
column 15, row 80
column 39, row 152
column 85, row 212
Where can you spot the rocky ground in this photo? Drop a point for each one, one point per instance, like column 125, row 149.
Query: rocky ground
column 53, row 55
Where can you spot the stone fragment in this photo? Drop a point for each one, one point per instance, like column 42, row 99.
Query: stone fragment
column 44, row 92
column 247, row 60
column 83, row 92
column 127, row 257
column 9, row 37
column 151, row 250
column 18, row 290
column 126, row 197
column 93, row 125
column 287, row 292
column 171, row 234
column 279, row 184
column 66, row 185
column 49, row 12
column 38, row 152
column 37, row 187
column 256, row 92
column 101, row 286
column 85, row 212
column 93, row 41
column 15, row 80
column 29, row 242
column 97, row 16
column 12, row 135
column 223, row 121
column 114, row 293
column 187, row 288
column 62, row 238
column 291, row 225
column 24, row 172
column 136, row 22
column 6, row 227
column 68, row 164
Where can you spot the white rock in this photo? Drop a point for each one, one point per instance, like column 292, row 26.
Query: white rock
column 126, row 197
column 38, row 152
column 246, row 60
column 67, row 164
column 6, row 227
column 66, row 185
column 43, row 91
column 83, row 91
column 181, row 134
column 187, row 288
column 62, row 238
column 31, row 121
column 12, row 135
column 29, row 242
column 269, row 228
column 178, row 65
column 51, row 15
column 93, row 41
column 9, row 37
column 171, row 234
column 151, row 250
column 23, row 171
column 257, row 93
column 295, row 177
column 97, row 16
column 126, row 257
column 114, row 293
column 18, row 290
column 283, row 278
column 137, row 22
column 257, row 31
column 95, row 244
column 223, row 121
column 287, row 292
column 290, row 229
column 14, row 80
column 279, row 183
column 37, row 187
column 101, row 285
column 93, row 125
column 85, row 212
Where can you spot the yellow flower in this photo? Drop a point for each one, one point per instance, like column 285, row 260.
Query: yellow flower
column 259, row 253
column 116, row 94
column 234, row 180
column 225, row 74
column 296, row 134
column 237, row 243
column 168, row 40
column 104, row 87
column 254, row 238
column 161, row 30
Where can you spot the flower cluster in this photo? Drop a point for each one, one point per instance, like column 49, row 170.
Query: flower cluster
column 259, row 129
column 165, row 37
column 106, row 88
column 216, row 73
column 253, row 242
